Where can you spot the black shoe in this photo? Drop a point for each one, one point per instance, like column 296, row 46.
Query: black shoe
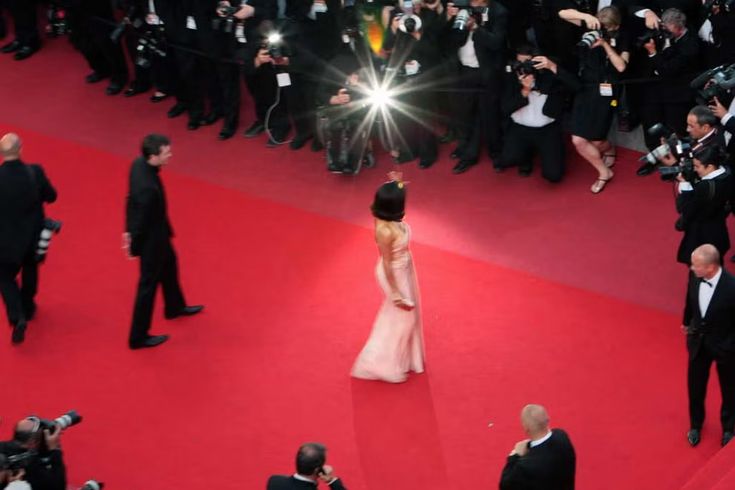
column 114, row 88
column 426, row 163
column 226, row 133
column 334, row 168
column 463, row 166
column 210, row 119
column 95, row 77
column 448, row 137
column 254, row 130
column 150, row 341
column 404, row 157
column 646, row 169
column 273, row 142
column 134, row 90
column 726, row 437
column 30, row 311
column 694, row 436
column 456, row 153
column 368, row 160
column 347, row 170
column 523, row 172
column 185, row 311
column 193, row 124
column 19, row 332
column 177, row 110
column 158, row 98
column 11, row 47
column 24, row 52
column 499, row 169
column 316, row 145
column 299, row 141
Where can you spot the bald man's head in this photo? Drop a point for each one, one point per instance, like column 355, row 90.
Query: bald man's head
column 10, row 146
column 535, row 420
column 707, row 254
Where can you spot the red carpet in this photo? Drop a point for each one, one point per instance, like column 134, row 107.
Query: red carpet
column 532, row 293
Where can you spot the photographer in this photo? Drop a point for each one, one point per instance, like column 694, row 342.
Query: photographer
column 703, row 129
column 604, row 56
column 533, row 101
column 478, row 36
column 573, row 18
column 673, row 65
column 718, row 32
column 44, row 466
column 310, row 470
column 703, row 203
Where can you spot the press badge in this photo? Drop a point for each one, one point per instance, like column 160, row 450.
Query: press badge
column 606, row 89
column 411, row 67
column 319, row 8
column 191, row 23
column 283, row 79
column 240, row 33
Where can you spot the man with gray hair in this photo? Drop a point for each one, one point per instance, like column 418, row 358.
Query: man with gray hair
column 23, row 190
column 709, row 325
column 544, row 461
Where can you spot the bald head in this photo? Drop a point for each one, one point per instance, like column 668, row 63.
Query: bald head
column 706, row 254
column 535, row 420
column 10, row 146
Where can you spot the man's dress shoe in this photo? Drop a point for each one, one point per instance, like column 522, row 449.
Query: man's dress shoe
column 158, row 98
column 645, row 169
column 726, row 437
column 24, row 53
column 94, row 77
column 425, row 163
column 134, row 90
column 193, row 124
column 463, row 166
column 694, row 436
column 11, row 47
column 255, row 129
column 114, row 88
column 210, row 119
column 19, row 332
column 150, row 341
column 226, row 133
column 299, row 141
column 177, row 110
column 185, row 311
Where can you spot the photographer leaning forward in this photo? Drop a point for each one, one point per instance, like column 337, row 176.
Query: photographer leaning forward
column 703, row 203
column 34, row 455
column 310, row 470
column 23, row 190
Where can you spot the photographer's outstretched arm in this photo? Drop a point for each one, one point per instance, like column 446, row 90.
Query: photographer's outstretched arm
column 581, row 19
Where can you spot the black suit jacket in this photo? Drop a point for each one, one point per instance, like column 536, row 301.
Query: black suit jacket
column 675, row 67
column 716, row 330
column 490, row 41
column 703, row 216
column 548, row 466
column 280, row 482
column 146, row 215
column 21, row 208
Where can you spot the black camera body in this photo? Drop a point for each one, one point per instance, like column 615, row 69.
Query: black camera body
column 715, row 82
column 589, row 38
column 151, row 43
column 225, row 20
column 521, row 68
column 50, row 228
column 659, row 36
column 57, row 25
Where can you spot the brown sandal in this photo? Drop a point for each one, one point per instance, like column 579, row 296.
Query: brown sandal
column 600, row 184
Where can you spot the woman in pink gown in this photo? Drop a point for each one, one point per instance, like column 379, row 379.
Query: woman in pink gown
column 395, row 345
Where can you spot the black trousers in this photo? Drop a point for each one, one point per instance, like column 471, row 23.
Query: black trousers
column 25, row 19
column 263, row 87
column 345, row 144
column 228, row 78
column 90, row 34
column 522, row 143
column 158, row 265
column 697, row 377
column 302, row 102
column 672, row 114
column 198, row 82
column 19, row 300
column 479, row 118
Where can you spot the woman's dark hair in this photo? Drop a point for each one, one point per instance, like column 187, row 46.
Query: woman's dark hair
column 390, row 202
column 152, row 145
column 711, row 155
column 310, row 458
column 526, row 49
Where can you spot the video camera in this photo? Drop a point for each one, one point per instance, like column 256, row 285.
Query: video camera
column 680, row 148
column 714, row 83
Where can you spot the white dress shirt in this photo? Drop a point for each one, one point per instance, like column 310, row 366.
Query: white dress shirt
column 707, row 290
column 532, row 115
column 538, row 442
column 467, row 55
column 686, row 186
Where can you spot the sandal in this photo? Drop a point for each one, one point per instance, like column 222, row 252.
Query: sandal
column 608, row 159
column 600, row 184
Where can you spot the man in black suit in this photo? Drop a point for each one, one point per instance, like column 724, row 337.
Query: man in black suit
column 310, row 469
column 544, row 461
column 27, row 40
column 148, row 236
column 480, row 49
column 703, row 204
column 23, row 190
column 709, row 325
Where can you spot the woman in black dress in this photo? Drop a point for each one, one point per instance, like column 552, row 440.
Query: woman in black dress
column 600, row 67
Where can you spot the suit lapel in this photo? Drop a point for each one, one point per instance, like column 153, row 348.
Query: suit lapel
column 722, row 284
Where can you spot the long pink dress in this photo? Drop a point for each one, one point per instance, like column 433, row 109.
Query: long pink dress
column 395, row 345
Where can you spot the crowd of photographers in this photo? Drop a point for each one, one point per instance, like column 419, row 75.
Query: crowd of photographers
column 497, row 74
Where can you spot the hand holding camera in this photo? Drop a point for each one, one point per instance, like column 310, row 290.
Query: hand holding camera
column 342, row 97
column 652, row 20
column 53, row 438
column 717, row 108
column 544, row 63
column 327, row 474
column 263, row 57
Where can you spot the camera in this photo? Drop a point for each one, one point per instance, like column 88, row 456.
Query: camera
column 129, row 19
column 685, row 168
column 714, row 83
column 274, row 45
column 151, row 43
column 463, row 16
column 50, row 228
column 409, row 23
column 92, row 485
column 15, row 462
column 527, row 67
column 56, row 21
column 658, row 35
column 681, row 148
column 589, row 38
column 724, row 5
